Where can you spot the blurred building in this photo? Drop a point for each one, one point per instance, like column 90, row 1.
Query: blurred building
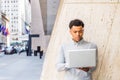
column 27, row 21
column 43, row 18
column 49, row 10
column 15, row 10
column 4, row 29
column 52, row 8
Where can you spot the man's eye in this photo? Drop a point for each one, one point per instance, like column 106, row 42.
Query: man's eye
column 81, row 31
column 75, row 31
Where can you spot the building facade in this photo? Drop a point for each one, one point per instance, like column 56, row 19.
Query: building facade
column 43, row 18
column 15, row 10
column 52, row 8
column 49, row 10
column 4, row 29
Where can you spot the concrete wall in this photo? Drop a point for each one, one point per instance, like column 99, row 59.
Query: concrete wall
column 37, row 25
column 43, row 6
column 52, row 8
column 49, row 10
column 102, row 20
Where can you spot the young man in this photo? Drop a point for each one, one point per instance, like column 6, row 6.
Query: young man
column 76, row 30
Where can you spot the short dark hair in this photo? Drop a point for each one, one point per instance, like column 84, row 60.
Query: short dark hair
column 76, row 22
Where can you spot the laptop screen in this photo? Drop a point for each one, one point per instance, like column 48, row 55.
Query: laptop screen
column 81, row 58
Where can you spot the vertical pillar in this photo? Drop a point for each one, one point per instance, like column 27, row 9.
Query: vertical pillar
column 37, row 25
column 101, row 18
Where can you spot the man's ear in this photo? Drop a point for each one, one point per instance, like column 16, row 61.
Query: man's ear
column 83, row 30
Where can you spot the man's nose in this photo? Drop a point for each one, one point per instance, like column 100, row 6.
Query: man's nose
column 77, row 33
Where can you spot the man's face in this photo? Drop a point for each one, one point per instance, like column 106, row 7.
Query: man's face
column 77, row 33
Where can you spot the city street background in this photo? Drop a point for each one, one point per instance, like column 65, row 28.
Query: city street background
column 20, row 67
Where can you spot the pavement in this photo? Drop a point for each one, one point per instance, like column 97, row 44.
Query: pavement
column 20, row 67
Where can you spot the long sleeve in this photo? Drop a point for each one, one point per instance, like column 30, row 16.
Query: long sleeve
column 94, row 47
column 61, row 60
column 73, row 73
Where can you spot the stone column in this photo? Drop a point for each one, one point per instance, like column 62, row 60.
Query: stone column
column 37, row 25
column 102, row 26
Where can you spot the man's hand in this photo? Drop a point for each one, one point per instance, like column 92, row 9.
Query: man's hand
column 86, row 69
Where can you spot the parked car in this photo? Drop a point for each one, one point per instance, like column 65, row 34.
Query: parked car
column 22, row 49
column 2, row 47
column 10, row 50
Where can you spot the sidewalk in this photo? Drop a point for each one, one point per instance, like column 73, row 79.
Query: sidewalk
column 20, row 67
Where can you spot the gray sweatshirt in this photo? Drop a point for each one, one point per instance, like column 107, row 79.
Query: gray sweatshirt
column 74, row 73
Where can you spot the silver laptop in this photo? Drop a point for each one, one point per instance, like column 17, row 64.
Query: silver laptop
column 81, row 58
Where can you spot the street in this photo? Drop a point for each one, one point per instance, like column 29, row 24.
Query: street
column 20, row 67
